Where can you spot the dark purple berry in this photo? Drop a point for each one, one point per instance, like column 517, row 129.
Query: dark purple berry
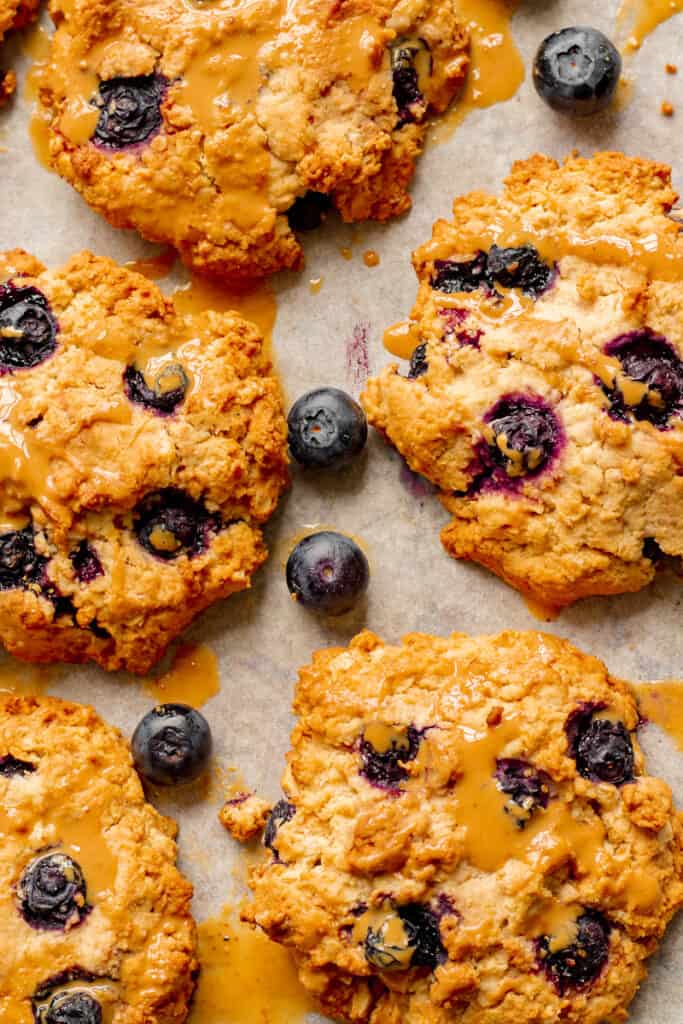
column 52, row 893
column 527, row 786
column 73, row 1008
column 524, row 437
column 164, row 395
column 384, row 768
column 604, row 752
column 99, row 631
column 652, row 550
column 28, row 330
column 171, row 744
column 647, row 358
column 576, row 70
column 453, row 276
column 421, row 945
column 327, row 572
column 581, row 962
column 130, row 110
column 327, row 429
column 522, row 268
column 308, row 211
column 10, row 766
column 170, row 523
column 281, row 813
column 411, row 68
column 20, row 564
column 86, row 563
column 418, row 362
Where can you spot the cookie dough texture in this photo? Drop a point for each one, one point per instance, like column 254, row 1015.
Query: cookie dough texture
column 595, row 519
column 80, row 461
column 261, row 103
column 14, row 14
column 78, row 795
column 444, row 838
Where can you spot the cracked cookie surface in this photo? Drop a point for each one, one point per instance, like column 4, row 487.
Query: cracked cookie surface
column 140, row 450
column 205, row 124
column 96, row 922
column 545, row 392
column 468, row 834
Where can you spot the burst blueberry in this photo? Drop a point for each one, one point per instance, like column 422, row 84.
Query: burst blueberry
column 576, row 70
column 383, row 763
column 327, row 429
column 52, row 893
column 327, row 572
column 86, row 562
column 163, row 395
column 169, row 523
column 579, row 963
column 411, row 66
column 523, row 436
column 604, row 752
column 73, row 1008
column 452, row 276
column 527, row 787
column 520, row 267
column 172, row 744
column 419, row 363
column 420, row 945
column 647, row 359
column 10, row 765
column 20, row 563
column 281, row 813
column 130, row 110
column 28, row 330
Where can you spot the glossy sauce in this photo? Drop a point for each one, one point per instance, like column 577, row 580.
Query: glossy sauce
column 643, row 16
column 662, row 703
column 402, row 339
column 253, row 302
column 24, row 680
column 245, row 978
column 156, row 268
column 193, row 678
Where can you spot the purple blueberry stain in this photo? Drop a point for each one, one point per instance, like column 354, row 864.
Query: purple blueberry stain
column 163, row 395
column 28, row 328
column 416, row 485
column 357, row 358
column 385, row 768
column 650, row 360
column 169, row 523
column 282, row 812
column 10, row 766
column 86, row 563
column 52, row 893
column 527, row 786
column 582, row 961
column 130, row 110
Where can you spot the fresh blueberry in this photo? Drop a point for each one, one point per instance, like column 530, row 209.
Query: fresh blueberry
column 164, row 395
column 577, row 70
column 20, row 564
column 421, row 945
column 171, row 744
column 385, row 768
column 28, row 330
column 86, row 563
column 419, row 363
column 520, row 267
column 524, row 436
column 327, row 429
column 604, row 752
column 582, row 961
column 308, row 211
column 411, row 63
column 327, row 572
column 52, row 893
column 130, row 110
column 647, row 358
column 73, row 1008
column 453, row 276
column 527, row 786
column 169, row 523
column 281, row 813
column 10, row 765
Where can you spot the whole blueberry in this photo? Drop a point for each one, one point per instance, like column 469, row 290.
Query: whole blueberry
column 307, row 212
column 28, row 330
column 385, row 768
column 582, row 961
column 281, row 813
column 169, row 523
column 327, row 572
column 165, row 393
column 648, row 359
column 527, row 787
column 172, row 743
column 576, row 70
column 52, row 893
column 604, row 752
column 327, row 429
column 20, row 563
column 73, row 1008
column 130, row 110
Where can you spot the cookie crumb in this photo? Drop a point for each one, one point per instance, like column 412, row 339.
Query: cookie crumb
column 244, row 816
column 667, row 109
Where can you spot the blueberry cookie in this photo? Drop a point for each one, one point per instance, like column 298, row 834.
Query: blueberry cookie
column 545, row 391
column 468, row 834
column 96, row 923
column 14, row 14
column 139, row 452
column 226, row 128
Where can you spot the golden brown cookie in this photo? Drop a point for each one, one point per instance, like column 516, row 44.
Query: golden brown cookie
column 140, row 450
column 14, row 14
column 468, row 834
column 208, row 125
column 545, row 391
column 96, row 922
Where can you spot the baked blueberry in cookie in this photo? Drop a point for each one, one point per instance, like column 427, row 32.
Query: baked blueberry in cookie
column 281, row 813
column 226, row 131
column 96, row 921
column 141, row 449
column 544, row 397
column 495, row 878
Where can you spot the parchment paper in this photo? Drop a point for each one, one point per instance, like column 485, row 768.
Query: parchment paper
column 261, row 637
